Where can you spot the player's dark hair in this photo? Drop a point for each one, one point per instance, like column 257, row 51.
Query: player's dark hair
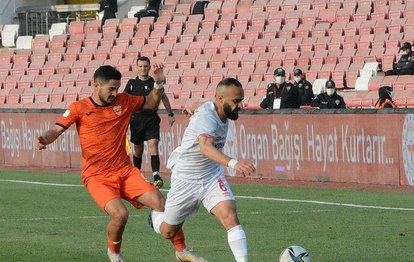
column 107, row 73
column 229, row 82
column 143, row 58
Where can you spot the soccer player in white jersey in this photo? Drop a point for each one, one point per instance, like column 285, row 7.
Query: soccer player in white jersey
column 197, row 172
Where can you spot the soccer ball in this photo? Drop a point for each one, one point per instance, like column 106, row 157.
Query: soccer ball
column 294, row 254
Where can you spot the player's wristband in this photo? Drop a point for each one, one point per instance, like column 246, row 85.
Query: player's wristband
column 158, row 86
column 171, row 114
column 232, row 163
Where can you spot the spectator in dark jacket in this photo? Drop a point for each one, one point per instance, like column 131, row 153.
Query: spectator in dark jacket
column 329, row 99
column 405, row 65
column 152, row 8
column 281, row 94
column 110, row 7
column 304, row 87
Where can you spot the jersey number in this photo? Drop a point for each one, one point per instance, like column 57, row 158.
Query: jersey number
column 222, row 185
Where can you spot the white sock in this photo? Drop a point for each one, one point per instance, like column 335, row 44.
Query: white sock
column 238, row 243
column 157, row 219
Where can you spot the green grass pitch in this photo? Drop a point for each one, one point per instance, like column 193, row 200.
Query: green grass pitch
column 41, row 222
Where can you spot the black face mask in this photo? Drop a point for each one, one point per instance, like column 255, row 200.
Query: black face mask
column 231, row 114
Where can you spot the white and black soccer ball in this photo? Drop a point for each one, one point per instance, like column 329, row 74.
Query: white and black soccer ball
column 294, row 254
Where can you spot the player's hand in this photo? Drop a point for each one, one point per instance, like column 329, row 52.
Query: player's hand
column 158, row 73
column 245, row 169
column 40, row 143
column 171, row 120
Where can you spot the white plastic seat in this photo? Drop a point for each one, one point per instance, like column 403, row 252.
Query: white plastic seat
column 369, row 69
column 9, row 35
column 24, row 42
column 362, row 83
column 57, row 29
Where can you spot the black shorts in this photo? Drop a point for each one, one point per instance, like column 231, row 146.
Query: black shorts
column 144, row 128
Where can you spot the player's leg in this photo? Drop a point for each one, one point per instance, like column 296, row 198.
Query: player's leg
column 155, row 162
column 140, row 192
column 108, row 199
column 219, row 201
column 169, row 223
column 115, row 228
column 174, row 233
column 225, row 211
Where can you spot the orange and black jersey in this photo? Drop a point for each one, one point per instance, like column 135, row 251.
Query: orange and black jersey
column 102, row 132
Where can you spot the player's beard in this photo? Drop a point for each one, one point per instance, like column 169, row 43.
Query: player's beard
column 108, row 101
column 230, row 114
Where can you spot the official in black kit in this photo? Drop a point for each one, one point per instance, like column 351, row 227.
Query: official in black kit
column 281, row 94
column 145, row 124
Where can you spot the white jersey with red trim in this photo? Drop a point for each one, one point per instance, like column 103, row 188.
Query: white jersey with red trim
column 186, row 161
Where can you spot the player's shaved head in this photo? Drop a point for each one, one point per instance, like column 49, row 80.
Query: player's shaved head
column 223, row 85
column 106, row 73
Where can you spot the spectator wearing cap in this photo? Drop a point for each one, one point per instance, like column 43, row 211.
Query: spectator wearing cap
column 385, row 95
column 405, row 65
column 281, row 94
column 304, row 87
column 329, row 99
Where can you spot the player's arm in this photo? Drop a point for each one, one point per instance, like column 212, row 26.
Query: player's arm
column 167, row 105
column 128, row 87
column 208, row 150
column 152, row 101
column 49, row 136
column 189, row 111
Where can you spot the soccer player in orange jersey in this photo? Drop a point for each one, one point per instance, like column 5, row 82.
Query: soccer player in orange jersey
column 102, row 121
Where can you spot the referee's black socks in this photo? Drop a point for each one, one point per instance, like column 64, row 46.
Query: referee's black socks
column 155, row 163
column 137, row 162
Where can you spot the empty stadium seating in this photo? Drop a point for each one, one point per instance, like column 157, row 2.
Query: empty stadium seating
column 245, row 39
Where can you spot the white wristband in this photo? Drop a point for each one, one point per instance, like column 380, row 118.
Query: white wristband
column 158, row 86
column 232, row 163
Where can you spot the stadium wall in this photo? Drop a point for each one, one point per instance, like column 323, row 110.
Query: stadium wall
column 358, row 146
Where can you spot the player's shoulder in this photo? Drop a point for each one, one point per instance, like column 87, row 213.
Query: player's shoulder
column 83, row 103
column 206, row 110
column 124, row 97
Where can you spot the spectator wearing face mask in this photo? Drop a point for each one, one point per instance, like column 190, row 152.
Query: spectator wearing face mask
column 405, row 65
column 329, row 98
column 385, row 95
column 281, row 94
column 304, row 87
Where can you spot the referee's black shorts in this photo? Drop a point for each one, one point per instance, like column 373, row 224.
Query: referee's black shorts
column 144, row 127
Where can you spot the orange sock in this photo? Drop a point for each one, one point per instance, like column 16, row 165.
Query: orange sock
column 179, row 241
column 114, row 247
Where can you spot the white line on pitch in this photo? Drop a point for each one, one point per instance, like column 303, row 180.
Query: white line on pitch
column 56, row 218
column 326, row 203
column 246, row 197
column 39, row 183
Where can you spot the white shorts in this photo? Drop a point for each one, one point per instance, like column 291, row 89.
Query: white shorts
column 184, row 197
